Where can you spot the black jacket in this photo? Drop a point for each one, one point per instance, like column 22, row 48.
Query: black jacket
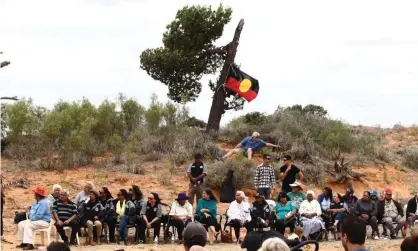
column 261, row 210
column 90, row 210
column 412, row 206
column 381, row 208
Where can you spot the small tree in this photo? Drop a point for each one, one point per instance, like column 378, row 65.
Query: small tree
column 189, row 53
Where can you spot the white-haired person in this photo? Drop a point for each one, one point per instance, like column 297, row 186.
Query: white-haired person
column 310, row 212
column 274, row 244
column 54, row 196
column 249, row 145
column 239, row 214
column 85, row 194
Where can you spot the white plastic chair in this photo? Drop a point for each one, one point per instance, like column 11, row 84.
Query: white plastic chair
column 43, row 231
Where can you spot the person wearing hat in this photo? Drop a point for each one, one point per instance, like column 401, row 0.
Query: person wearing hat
column 265, row 178
column 181, row 214
column 297, row 196
column 260, row 212
column 249, row 145
column 350, row 199
column 289, row 173
column 196, row 173
column 195, row 236
column 39, row 218
column 390, row 211
column 374, row 196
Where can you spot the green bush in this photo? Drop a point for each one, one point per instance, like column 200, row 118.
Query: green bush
column 243, row 173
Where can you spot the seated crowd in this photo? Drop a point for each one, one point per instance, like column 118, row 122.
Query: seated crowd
column 102, row 217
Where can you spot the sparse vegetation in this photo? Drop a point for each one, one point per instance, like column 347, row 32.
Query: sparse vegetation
column 411, row 157
column 75, row 133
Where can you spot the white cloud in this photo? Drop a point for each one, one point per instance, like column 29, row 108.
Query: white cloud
column 359, row 59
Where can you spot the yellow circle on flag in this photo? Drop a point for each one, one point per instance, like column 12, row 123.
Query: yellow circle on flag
column 245, row 85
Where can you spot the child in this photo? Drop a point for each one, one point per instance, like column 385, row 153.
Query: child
column 297, row 234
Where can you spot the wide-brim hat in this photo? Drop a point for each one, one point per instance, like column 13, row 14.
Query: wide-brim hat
column 297, row 184
column 182, row 196
column 41, row 191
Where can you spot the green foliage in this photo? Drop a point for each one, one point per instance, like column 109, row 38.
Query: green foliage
column 78, row 131
column 188, row 51
column 243, row 173
column 304, row 131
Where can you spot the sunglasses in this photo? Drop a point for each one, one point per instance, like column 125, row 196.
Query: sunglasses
column 119, row 194
column 149, row 198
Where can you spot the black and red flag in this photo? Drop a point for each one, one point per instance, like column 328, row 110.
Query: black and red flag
column 242, row 84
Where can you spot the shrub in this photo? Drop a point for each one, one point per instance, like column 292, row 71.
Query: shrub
column 243, row 173
column 411, row 157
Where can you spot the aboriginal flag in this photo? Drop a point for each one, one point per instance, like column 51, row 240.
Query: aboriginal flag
column 242, row 84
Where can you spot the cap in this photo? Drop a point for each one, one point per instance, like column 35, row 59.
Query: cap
column 194, row 233
column 373, row 193
column 388, row 191
column 198, row 156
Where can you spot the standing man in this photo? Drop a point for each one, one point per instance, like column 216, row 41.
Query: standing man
column 265, row 178
column 196, row 172
column 289, row 173
column 249, row 145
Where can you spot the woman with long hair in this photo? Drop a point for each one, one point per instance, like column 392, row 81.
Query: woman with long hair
column 109, row 213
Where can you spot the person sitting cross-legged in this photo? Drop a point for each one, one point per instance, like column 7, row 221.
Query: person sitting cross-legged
column 181, row 214
column 39, row 218
column 285, row 213
column 239, row 214
column 151, row 217
column 65, row 213
column 92, row 216
column 389, row 211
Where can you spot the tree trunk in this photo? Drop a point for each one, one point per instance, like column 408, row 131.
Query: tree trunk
column 217, row 109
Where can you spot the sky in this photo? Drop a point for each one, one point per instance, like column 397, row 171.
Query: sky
column 358, row 59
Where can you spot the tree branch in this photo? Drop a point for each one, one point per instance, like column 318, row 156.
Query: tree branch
column 10, row 98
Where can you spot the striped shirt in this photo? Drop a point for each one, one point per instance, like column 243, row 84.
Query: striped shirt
column 264, row 177
column 64, row 211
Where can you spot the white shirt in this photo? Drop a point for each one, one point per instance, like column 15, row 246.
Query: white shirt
column 310, row 207
column 325, row 204
column 239, row 211
column 182, row 211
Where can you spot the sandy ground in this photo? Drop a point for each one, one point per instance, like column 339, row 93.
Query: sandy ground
column 382, row 245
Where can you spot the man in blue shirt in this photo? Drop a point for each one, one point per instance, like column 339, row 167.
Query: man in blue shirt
column 249, row 145
column 39, row 218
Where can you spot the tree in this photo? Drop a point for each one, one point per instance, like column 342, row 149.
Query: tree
column 315, row 110
column 188, row 53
